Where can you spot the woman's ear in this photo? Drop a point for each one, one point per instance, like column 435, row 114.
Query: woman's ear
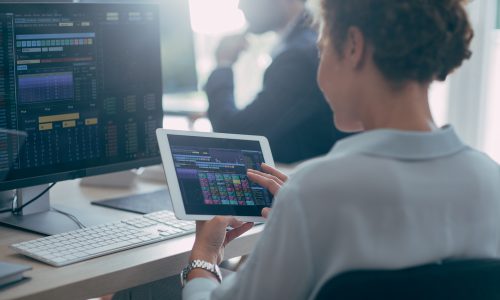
column 355, row 48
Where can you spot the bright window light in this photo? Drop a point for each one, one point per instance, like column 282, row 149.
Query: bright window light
column 216, row 17
column 492, row 128
column 438, row 100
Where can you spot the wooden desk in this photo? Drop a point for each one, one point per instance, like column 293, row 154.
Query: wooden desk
column 106, row 274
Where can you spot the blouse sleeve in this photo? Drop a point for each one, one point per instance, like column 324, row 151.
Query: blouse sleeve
column 280, row 266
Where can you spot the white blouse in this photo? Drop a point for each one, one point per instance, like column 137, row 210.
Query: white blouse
column 383, row 199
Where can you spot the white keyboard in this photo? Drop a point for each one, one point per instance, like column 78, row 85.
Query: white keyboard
column 82, row 244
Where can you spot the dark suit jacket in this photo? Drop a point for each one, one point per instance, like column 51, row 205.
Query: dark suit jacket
column 290, row 110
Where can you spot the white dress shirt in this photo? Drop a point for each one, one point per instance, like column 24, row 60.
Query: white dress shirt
column 285, row 33
column 383, row 199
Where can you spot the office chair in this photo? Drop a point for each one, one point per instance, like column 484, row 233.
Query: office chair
column 457, row 280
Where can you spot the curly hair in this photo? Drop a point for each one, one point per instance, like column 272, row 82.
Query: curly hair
column 420, row 40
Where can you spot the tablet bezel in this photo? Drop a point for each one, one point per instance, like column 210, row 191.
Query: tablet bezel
column 171, row 174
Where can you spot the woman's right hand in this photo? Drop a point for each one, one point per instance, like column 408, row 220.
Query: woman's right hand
column 271, row 178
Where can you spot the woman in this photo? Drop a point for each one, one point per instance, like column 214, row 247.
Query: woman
column 400, row 194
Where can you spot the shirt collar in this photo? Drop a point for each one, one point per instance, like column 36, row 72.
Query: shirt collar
column 285, row 33
column 398, row 144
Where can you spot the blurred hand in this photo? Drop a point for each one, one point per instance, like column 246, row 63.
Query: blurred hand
column 229, row 49
column 271, row 178
column 212, row 237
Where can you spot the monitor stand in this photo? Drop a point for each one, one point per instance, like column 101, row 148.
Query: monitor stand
column 38, row 216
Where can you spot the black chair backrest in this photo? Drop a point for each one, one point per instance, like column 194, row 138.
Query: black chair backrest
column 456, row 280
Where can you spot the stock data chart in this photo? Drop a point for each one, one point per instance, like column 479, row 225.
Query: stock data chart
column 212, row 174
column 65, row 84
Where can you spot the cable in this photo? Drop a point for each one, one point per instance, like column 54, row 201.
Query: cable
column 70, row 216
column 18, row 209
column 5, row 210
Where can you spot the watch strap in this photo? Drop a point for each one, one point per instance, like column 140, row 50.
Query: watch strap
column 200, row 264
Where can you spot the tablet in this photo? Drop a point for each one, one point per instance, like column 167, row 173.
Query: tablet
column 207, row 174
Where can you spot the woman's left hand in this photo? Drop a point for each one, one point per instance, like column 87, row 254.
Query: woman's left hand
column 212, row 237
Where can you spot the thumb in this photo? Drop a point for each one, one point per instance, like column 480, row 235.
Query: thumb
column 265, row 212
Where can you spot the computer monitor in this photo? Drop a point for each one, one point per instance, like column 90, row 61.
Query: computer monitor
column 83, row 82
column 178, row 55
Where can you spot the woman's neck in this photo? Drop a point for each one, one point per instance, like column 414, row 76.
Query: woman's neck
column 405, row 108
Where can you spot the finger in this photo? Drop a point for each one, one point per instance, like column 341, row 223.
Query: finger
column 223, row 221
column 199, row 224
column 265, row 212
column 236, row 232
column 273, row 171
column 217, row 224
column 279, row 181
column 268, row 183
column 235, row 223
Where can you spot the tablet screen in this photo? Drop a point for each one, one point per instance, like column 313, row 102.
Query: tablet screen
column 212, row 175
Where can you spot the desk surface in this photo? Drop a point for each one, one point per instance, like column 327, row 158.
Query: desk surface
column 106, row 274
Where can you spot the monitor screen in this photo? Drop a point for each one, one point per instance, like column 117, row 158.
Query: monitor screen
column 83, row 82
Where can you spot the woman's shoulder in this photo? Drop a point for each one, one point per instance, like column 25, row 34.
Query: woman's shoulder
column 336, row 167
column 357, row 178
column 340, row 175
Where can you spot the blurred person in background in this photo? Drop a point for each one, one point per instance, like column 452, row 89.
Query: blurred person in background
column 290, row 110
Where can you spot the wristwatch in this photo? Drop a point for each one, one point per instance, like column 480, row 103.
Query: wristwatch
column 200, row 264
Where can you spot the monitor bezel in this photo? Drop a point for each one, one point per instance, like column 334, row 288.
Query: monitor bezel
column 80, row 173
